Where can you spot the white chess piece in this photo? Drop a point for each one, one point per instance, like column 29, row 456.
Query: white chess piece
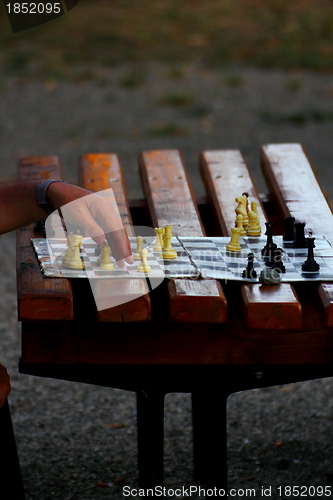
column 254, row 208
column 106, row 262
column 75, row 262
column 239, row 225
column 69, row 252
column 253, row 229
column 139, row 243
column 241, row 209
column 159, row 239
column 168, row 252
column 234, row 245
column 144, row 267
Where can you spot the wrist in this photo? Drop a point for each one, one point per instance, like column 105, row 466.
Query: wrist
column 44, row 200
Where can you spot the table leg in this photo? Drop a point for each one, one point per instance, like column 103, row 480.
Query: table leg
column 11, row 484
column 150, row 422
column 210, row 437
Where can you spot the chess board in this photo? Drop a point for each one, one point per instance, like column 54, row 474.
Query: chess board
column 51, row 251
column 212, row 259
column 199, row 257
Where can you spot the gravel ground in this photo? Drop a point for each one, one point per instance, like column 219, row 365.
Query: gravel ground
column 79, row 442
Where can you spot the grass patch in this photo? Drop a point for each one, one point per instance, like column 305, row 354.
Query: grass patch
column 177, row 73
column 104, row 134
column 176, row 99
column 166, row 129
column 271, row 34
column 132, row 79
column 294, row 84
column 234, row 81
column 298, row 118
column 198, row 111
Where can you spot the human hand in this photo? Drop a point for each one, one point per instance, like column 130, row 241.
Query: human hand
column 4, row 385
column 96, row 214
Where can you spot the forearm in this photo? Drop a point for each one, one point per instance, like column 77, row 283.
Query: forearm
column 19, row 205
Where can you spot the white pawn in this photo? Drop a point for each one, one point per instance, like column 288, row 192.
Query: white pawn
column 254, row 208
column 159, row 239
column 144, row 267
column 234, row 245
column 69, row 252
column 106, row 262
column 99, row 260
column 168, row 252
column 253, row 229
column 139, row 243
column 239, row 224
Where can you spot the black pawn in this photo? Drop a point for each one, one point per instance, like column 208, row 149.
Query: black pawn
column 249, row 272
column 276, row 262
column 98, row 250
column 289, row 229
column 310, row 265
column 268, row 250
column 300, row 240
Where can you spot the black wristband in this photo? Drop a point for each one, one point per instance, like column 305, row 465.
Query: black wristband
column 41, row 194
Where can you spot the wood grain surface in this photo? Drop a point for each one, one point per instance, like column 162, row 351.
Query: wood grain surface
column 282, row 302
column 177, row 343
column 296, row 192
column 171, row 201
column 226, row 176
column 39, row 298
column 98, row 172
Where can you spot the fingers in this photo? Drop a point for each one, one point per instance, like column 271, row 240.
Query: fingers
column 99, row 219
column 120, row 246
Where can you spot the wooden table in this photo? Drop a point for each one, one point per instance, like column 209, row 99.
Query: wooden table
column 199, row 336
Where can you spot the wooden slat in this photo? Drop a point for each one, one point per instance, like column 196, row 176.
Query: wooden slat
column 286, row 311
column 325, row 291
column 39, row 298
column 179, row 343
column 294, row 187
column 296, row 192
column 103, row 171
column 226, row 177
column 171, row 201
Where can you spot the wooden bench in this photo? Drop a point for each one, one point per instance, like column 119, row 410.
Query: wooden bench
column 198, row 336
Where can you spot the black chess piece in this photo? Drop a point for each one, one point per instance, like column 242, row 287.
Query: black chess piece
column 40, row 227
column 310, row 265
column 250, row 272
column 276, row 262
column 289, row 230
column 98, row 250
column 268, row 250
column 300, row 240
